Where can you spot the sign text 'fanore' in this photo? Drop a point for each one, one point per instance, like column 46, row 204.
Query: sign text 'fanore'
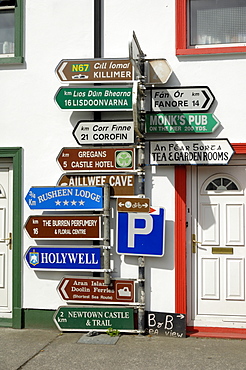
column 96, row 159
column 185, row 123
column 63, row 258
column 84, row 289
column 210, row 152
column 179, row 99
column 95, row 98
column 95, row 70
column 64, row 227
column 79, row 318
column 122, row 184
column 65, row 198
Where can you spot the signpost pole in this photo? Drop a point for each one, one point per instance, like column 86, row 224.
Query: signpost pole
column 106, row 234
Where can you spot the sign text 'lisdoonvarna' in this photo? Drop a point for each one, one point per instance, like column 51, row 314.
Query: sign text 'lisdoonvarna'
column 63, row 258
column 95, row 98
column 181, row 123
column 97, row 159
column 64, row 227
column 210, row 152
column 95, row 70
column 86, row 289
column 79, row 318
column 179, row 99
column 104, row 132
column 65, row 198
column 120, row 184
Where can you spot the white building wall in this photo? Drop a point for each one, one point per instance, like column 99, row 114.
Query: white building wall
column 29, row 117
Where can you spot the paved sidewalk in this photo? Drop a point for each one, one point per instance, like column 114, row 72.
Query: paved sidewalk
column 30, row 349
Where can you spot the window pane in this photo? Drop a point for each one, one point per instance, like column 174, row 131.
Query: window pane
column 7, row 31
column 217, row 22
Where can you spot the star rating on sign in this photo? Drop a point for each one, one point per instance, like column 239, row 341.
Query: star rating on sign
column 66, row 202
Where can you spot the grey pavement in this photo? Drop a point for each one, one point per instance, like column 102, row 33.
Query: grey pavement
column 31, row 349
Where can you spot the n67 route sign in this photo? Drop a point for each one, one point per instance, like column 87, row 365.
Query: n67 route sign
column 176, row 99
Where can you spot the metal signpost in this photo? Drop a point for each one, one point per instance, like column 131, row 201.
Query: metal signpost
column 63, row 258
column 64, row 227
column 97, row 159
column 96, row 70
column 104, row 132
column 84, row 318
column 92, row 98
column 181, row 123
column 179, row 99
column 65, row 198
column 93, row 290
column 205, row 152
column 120, row 184
column 141, row 234
column 133, row 205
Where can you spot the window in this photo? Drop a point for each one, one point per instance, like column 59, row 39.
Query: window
column 11, row 31
column 219, row 184
column 210, row 26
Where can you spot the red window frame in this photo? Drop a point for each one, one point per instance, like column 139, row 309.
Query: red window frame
column 181, row 36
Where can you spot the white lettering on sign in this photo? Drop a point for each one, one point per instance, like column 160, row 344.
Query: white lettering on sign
column 133, row 230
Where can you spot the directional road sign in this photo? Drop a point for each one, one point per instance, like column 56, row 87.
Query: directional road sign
column 141, row 234
column 93, row 290
column 95, row 98
column 63, row 258
column 179, row 99
column 210, row 152
column 158, row 71
column 136, row 54
column 181, row 123
column 79, row 318
column 64, row 227
column 104, row 132
column 95, row 70
column 97, row 159
column 65, row 198
column 133, row 205
column 120, row 184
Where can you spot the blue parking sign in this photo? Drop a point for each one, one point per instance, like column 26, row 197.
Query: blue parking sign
column 141, row 234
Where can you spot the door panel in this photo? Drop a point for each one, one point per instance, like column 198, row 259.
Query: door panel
column 219, row 258
column 5, row 246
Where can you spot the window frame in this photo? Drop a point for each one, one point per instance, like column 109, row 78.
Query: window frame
column 182, row 33
column 18, row 50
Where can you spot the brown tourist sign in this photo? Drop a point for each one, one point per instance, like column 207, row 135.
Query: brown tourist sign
column 133, row 205
column 84, row 289
column 97, row 159
column 120, row 184
column 64, row 227
column 95, row 70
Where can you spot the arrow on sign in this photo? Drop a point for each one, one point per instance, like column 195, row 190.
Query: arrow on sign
column 62, row 287
column 60, row 70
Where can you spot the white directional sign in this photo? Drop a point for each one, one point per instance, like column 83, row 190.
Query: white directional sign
column 210, row 152
column 104, row 132
column 176, row 99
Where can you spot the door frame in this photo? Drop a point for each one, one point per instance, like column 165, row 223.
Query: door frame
column 180, row 239
column 15, row 155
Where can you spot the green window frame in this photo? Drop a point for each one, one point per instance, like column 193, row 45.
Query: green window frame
column 17, row 58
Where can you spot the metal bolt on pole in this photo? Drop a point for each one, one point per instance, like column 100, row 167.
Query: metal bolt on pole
column 106, row 233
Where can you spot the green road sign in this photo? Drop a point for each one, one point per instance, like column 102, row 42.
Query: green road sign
column 95, row 98
column 181, row 123
column 79, row 318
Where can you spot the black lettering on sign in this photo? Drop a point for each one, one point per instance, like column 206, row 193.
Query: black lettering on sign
column 167, row 324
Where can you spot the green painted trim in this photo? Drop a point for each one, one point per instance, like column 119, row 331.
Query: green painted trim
column 14, row 60
column 19, row 19
column 16, row 155
column 38, row 319
column 6, row 323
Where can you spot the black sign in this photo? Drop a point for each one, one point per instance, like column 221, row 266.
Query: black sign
column 167, row 324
